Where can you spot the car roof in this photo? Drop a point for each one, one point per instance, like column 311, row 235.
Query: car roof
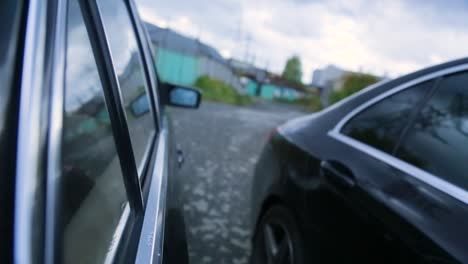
column 297, row 129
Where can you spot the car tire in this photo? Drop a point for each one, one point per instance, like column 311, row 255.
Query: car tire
column 277, row 239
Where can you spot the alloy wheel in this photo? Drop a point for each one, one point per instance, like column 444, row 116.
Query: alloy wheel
column 277, row 244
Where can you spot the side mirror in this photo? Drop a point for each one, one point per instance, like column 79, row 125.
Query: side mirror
column 139, row 106
column 184, row 97
column 181, row 96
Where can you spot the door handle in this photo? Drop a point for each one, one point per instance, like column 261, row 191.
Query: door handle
column 180, row 157
column 336, row 173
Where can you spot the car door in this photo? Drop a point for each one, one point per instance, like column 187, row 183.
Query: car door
column 100, row 145
column 110, row 230
column 92, row 153
column 117, row 18
column 78, row 195
column 432, row 156
column 406, row 187
column 97, row 205
column 163, row 219
column 369, row 221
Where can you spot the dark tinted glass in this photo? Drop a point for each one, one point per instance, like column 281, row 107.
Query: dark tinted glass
column 438, row 140
column 129, row 67
column 93, row 195
column 381, row 124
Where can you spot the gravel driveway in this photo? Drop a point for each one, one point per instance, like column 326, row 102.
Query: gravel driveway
column 221, row 145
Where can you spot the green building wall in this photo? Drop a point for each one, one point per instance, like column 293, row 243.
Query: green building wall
column 176, row 67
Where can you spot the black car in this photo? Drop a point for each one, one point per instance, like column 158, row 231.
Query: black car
column 87, row 161
column 381, row 177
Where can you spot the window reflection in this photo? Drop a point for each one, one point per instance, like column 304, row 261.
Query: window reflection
column 438, row 139
column 93, row 192
column 128, row 64
column 381, row 124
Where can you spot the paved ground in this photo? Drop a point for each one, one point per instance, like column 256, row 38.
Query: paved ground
column 221, row 145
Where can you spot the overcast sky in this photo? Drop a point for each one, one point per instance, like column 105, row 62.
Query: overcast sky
column 392, row 37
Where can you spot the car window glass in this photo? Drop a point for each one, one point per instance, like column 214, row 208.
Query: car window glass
column 93, row 194
column 381, row 124
column 130, row 72
column 438, row 139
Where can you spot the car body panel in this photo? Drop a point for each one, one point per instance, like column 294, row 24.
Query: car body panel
column 387, row 216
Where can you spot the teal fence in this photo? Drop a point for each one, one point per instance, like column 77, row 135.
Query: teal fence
column 271, row 91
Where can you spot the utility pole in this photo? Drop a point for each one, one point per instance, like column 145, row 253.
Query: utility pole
column 267, row 64
column 199, row 32
column 237, row 39
column 248, row 39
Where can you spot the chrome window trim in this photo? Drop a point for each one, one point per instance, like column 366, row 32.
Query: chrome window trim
column 54, row 153
column 150, row 246
column 422, row 175
column 28, row 155
column 117, row 236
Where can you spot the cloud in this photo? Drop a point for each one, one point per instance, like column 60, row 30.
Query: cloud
column 393, row 37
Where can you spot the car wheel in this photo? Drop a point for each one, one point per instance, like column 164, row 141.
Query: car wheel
column 277, row 239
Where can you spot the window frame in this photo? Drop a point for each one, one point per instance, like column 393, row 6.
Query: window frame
column 407, row 124
column 31, row 174
column 422, row 175
column 128, row 229
column 113, row 99
column 142, row 166
column 407, row 129
column 142, row 38
column 153, row 91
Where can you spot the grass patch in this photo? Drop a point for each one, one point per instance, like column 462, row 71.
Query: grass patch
column 310, row 103
column 218, row 91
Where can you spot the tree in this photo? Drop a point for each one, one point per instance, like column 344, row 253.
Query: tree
column 293, row 70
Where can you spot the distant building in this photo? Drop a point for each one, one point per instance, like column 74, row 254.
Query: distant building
column 328, row 79
column 322, row 77
column 261, row 83
column 182, row 60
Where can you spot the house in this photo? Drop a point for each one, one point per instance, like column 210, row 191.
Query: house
column 182, row 60
column 261, row 83
column 332, row 79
